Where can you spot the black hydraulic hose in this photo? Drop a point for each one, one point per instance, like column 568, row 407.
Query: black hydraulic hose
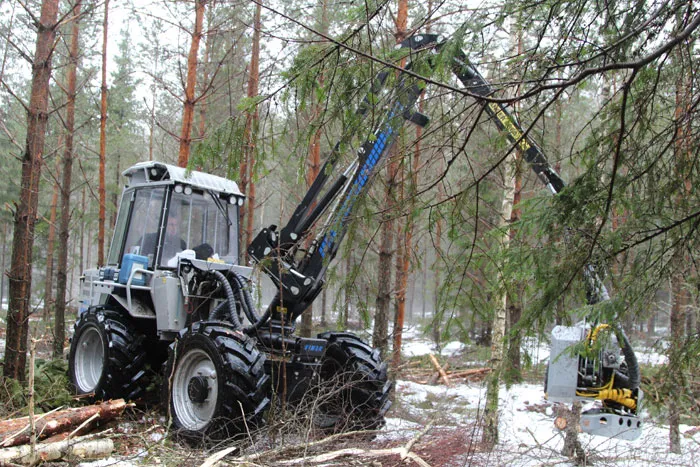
column 230, row 299
column 218, row 312
column 264, row 318
column 633, row 378
column 633, row 372
column 247, row 300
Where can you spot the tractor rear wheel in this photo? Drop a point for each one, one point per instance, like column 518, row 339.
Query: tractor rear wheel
column 214, row 382
column 354, row 385
column 107, row 356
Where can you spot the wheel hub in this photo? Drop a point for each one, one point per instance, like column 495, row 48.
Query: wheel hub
column 198, row 389
column 195, row 391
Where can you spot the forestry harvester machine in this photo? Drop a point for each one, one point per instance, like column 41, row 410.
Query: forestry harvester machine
column 173, row 299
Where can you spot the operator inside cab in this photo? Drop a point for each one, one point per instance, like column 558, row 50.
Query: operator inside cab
column 173, row 243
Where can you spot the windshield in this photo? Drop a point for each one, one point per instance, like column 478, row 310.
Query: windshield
column 195, row 222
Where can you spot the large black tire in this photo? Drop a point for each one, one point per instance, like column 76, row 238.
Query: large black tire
column 355, row 389
column 107, row 356
column 215, row 383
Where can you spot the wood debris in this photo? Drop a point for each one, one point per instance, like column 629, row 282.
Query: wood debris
column 440, row 373
column 83, row 448
column 17, row 431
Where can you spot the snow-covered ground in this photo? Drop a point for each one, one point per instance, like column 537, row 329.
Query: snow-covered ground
column 526, row 429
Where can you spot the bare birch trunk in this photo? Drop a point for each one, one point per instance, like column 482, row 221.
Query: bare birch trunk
column 490, row 435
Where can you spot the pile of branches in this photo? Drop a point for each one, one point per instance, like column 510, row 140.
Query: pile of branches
column 442, row 374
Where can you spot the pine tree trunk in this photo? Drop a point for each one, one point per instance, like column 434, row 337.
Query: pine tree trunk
column 64, row 227
column 403, row 261
column 250, row 133
column 380, row 338
column 115, row 196
column 191, row 82
column 81, row 245
column 20, row 275
column 313, row 162
column 2, row 271
column 675, row 358
column 324, row 303
column 344, row 320
column 490, row 435
column 208, row 42
column 679, row 294
column 103, row 145
column 381, row 316
column 50, row 244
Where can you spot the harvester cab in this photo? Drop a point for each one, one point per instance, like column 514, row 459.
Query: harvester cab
column 169, row 220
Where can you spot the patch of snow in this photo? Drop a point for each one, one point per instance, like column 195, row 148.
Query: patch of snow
column 419, row 347
column 452, row 348
column 528, row 437
column 651, row 358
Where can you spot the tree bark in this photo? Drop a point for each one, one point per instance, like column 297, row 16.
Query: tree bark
column 20, row 275
column 64, row 228
column 87, row 449
column 490, row 434
column 15, row 431
column 344, row 319
column 208, row 43
column 313, row 162
column 250, row 135
column 515, row 311
column 513, row 373
column 103, row 145
column 380, row 337
column 4, row 258
column 50, row 244
column 190, row 84
column 679, row 294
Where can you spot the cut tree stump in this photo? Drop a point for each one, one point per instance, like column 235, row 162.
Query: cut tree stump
column 15, row 431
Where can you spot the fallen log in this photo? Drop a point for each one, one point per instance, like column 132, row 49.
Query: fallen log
column 16, row 431
column 470, row 372
column 45, row 452
column 440, row 370
column 436, row 375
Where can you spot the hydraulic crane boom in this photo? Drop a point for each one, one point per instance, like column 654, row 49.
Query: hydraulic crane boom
column 585, row 377
column 299, row 274
column 300, row 281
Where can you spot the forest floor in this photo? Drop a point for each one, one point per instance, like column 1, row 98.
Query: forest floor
column 438, row 424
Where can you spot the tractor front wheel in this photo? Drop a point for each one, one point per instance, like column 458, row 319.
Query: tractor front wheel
column 215, row 382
